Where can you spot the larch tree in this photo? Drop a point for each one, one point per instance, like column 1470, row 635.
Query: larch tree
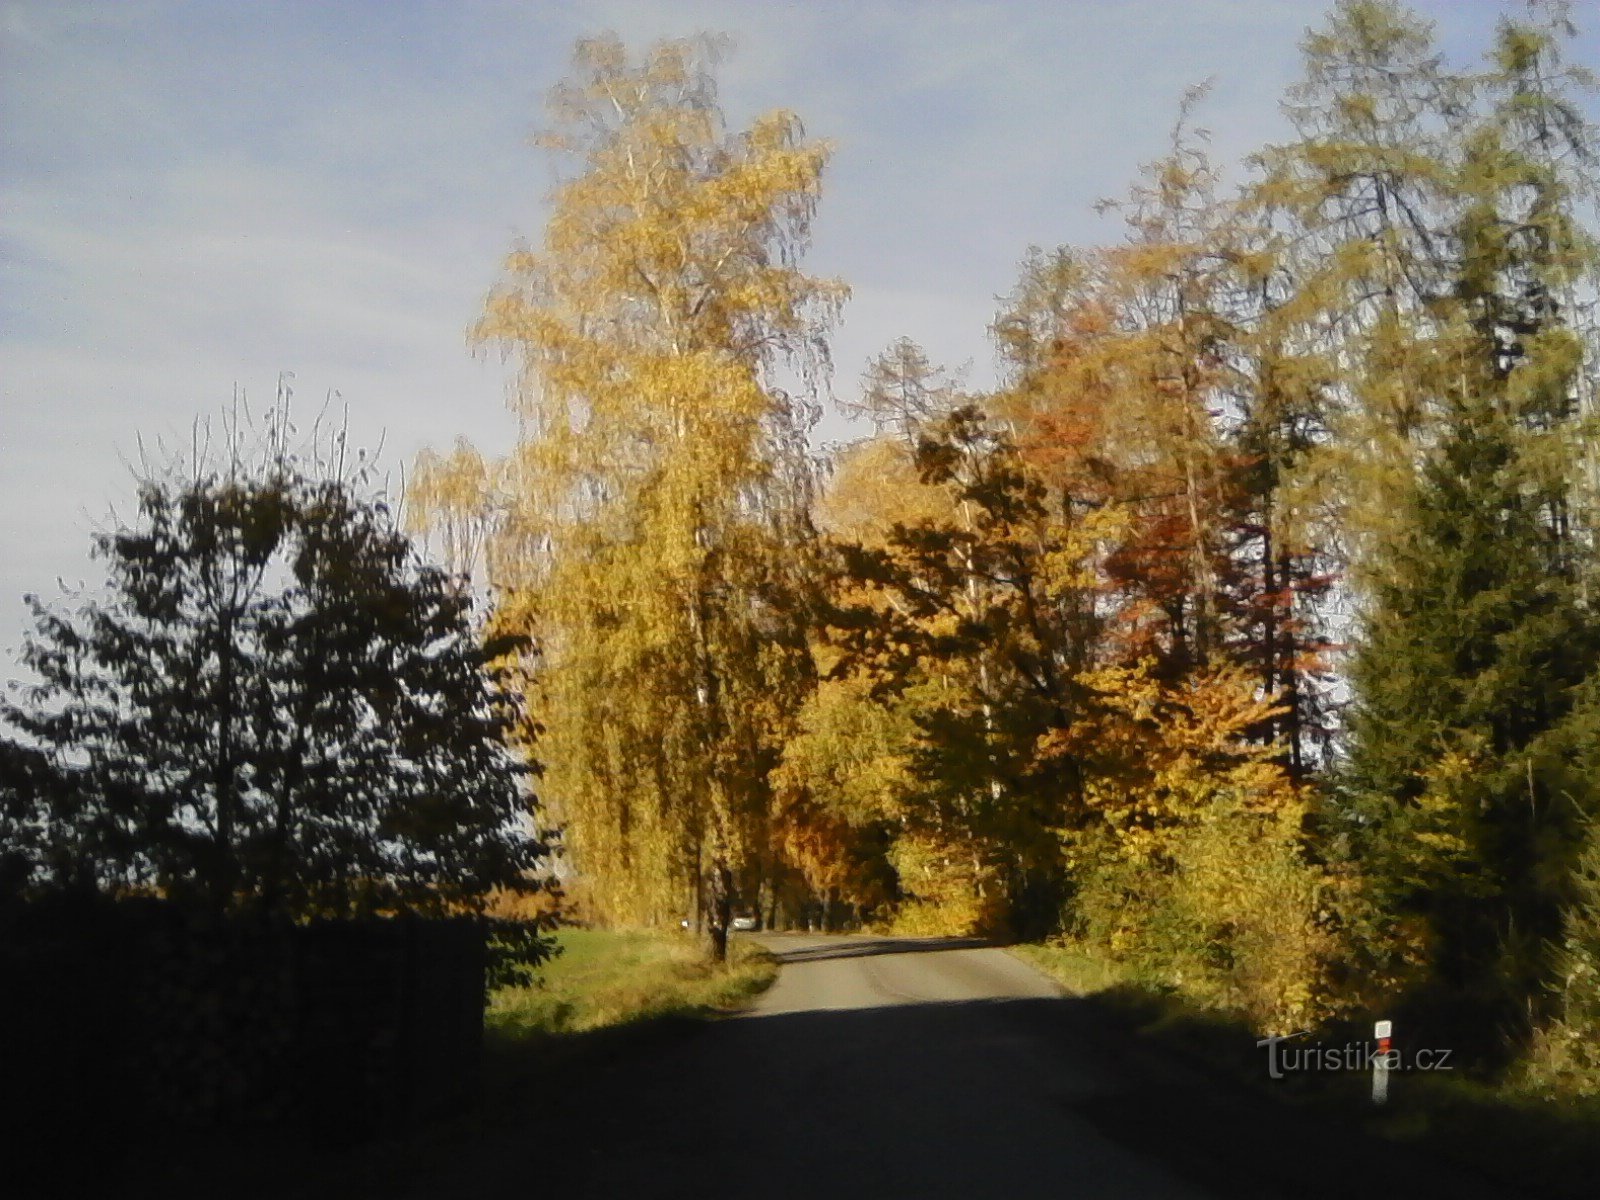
column 1134, row 393
column 1124, row 401
column 649, row 525
column 1361, row 199
column 902, row 393
column 1170, row 284
column 1282, row 516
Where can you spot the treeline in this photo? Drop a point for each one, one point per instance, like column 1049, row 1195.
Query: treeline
column 1247, row 631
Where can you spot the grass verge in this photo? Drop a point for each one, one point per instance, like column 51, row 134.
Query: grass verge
column 1531, row 1146
column 609, row 994
column 604, row 979
column 1080, row 972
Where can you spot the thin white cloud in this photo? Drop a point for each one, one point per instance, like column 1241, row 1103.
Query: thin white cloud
column 195, row 195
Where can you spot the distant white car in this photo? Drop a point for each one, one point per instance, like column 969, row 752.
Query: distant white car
column 745, row 924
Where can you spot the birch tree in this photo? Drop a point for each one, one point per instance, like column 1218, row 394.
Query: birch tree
column 648, row 525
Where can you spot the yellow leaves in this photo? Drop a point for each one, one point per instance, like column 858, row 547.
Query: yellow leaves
column 850, row 754
column 1209, row 711
column 1442, row 810
column 875, row 486
column 1191, row 866
column 1223, row 906
column 452, row 499
column 636, row 525
column 950, row 892
column 1072, row 563
column 1162, row 755
column 677, row 241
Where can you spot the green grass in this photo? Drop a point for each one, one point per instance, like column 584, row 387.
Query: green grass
column 1079, row 972
column 608, row 979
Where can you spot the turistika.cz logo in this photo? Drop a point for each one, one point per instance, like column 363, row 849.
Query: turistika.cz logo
column 1284, row 1057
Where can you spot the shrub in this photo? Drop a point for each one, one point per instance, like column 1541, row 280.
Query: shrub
column 1227, row 913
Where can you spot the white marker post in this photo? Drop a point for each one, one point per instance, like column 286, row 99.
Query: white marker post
column 1383, row 1031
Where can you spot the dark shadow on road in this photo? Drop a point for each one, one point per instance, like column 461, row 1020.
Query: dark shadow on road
column 1004, row 1098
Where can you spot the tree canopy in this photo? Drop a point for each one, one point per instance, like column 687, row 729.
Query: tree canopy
column 275, row 706
column 649, row 525
column 1244, row 632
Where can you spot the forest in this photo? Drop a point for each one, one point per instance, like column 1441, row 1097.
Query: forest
column 1245, row 634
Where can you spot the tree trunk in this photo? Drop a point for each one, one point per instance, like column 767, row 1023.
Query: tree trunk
column 721, row 909
column 699, row 888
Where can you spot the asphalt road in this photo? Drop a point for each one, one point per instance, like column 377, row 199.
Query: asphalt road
column 922, row 1069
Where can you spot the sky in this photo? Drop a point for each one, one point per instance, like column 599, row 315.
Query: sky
column 200, row 197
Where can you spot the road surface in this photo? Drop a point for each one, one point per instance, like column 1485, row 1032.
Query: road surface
column 924, row 1069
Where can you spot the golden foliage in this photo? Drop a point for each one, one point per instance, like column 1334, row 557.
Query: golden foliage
column 875, row 486
column 645, row 527
column 1192, row 865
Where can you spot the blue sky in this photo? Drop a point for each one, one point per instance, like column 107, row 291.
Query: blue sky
column 196, row 196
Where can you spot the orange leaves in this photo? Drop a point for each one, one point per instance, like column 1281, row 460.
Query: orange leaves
column 815, row 843
column 1162, row 752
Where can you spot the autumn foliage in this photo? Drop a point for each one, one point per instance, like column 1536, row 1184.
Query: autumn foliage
column 1226, row 634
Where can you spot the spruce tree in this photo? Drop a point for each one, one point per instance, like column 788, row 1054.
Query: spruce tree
column 1479, row 642
column 1474, row 647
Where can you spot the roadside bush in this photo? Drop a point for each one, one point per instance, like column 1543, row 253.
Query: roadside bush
column 1227, row 914
column 947, row 893
column 1565, row 1057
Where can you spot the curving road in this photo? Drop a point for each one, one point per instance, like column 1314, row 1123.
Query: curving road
column 924, row 1069
column 910, row 1067
column 834, row 974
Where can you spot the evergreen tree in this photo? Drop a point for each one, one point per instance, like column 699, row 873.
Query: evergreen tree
column 1478, row 641
column 903, row 393
column 1566, row 1057
column 1473, row 647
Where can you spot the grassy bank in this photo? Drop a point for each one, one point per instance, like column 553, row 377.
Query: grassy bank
column 1080, row 972
column 1532, row 1146
column 607, row 979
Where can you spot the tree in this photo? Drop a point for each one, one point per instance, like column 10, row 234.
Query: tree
column 1125, row 362
column 1479, row 637
column 275, row 707
column 965, row 631
column 31, row 798
column 1474, row 647
column 1566, row 1054
column 1359, row 202
column 902, row 392
column 651, row 526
